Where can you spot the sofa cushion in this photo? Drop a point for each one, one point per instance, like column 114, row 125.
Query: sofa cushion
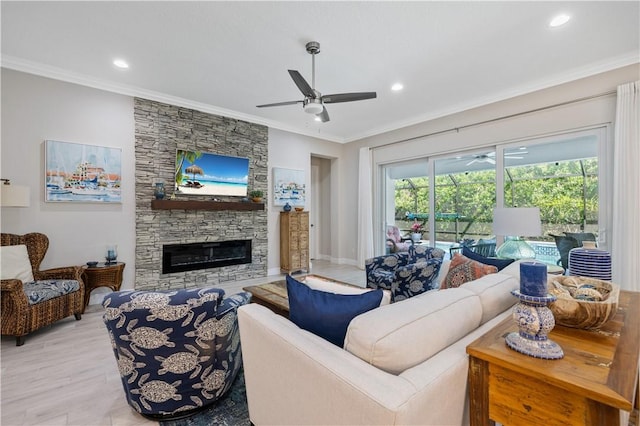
column 462, row 270
column 404, row 334
column 494, row 291
column 40, row 291
column 324, row 284
column 498, row 263
column 327, row 314
column 15, row 264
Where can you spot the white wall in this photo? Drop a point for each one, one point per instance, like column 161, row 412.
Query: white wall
column 35, row 109
column 587, row 113
column 292, row 151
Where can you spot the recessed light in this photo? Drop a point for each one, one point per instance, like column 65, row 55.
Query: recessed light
column 120, row 63
column 317, row 119
column 559, row 20
column 397, row 87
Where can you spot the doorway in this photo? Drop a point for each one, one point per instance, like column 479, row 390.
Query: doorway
column 320, row 209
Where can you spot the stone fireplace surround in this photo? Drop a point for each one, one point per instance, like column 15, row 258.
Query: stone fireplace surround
column 161, row 129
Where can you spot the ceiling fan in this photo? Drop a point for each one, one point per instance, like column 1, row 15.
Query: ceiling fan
column 313, row 102
column 490, row 157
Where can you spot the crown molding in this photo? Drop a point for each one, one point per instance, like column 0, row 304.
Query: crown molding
column 29, row 67
column 558, row 79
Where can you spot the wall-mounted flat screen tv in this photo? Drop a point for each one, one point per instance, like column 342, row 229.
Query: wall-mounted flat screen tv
column 204, row 173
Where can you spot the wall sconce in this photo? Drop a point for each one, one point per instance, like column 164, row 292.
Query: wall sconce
column 14, row 195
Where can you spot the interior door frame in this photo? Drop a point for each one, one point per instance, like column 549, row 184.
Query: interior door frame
column 314, row 209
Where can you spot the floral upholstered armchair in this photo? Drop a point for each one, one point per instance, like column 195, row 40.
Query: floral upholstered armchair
column 177, row 351
column 405, row 274
column 34, row 298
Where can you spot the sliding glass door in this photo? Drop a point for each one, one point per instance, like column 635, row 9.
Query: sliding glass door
column 453, row 195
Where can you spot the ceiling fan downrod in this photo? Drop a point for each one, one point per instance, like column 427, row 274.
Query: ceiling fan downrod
column 313, row 48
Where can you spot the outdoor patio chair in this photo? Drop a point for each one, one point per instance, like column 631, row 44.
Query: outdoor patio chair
column 396, row 242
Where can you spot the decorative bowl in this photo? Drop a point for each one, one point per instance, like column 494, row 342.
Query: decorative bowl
column 583, row 302
column 299, row 209
column 92, row 264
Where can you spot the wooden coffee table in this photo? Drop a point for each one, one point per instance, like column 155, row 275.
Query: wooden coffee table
column 273, row 295
column 597, row 376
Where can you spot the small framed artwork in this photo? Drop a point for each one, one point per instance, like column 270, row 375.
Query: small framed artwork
column 288, row 187
column 82, row 173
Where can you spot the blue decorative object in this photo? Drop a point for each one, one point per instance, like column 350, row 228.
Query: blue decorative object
column 159, row 191
column 535, row 321
column 287, row 207
column 533, row 279
column 327, row 314
column 112, row 254
column 178, row 350
column 590, row 262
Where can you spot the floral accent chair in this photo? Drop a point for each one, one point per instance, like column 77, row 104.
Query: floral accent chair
column 405, row 274
column 34, row 298
column 177, row 351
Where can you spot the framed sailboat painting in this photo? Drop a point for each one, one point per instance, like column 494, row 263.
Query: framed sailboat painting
column 82, row 173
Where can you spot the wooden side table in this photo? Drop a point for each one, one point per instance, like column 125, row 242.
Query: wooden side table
column 597, row 377
column 102, row 275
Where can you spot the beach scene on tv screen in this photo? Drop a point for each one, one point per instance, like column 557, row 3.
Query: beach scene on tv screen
column 203, row 173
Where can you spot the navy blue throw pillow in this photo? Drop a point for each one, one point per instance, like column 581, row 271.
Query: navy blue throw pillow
column 498, row 263
column 327, row 314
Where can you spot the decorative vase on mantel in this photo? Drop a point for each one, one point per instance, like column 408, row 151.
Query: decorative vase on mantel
column 159, row 191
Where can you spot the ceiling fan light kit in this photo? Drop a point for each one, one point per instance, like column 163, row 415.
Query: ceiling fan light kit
column 313, row 102
column 313, row 106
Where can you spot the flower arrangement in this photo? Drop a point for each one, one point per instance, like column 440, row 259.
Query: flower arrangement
column 417, row 228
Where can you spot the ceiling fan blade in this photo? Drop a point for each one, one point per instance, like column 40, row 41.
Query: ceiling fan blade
column 302, row 84
column 348, row 97
column 324, row 115
column 279, row 104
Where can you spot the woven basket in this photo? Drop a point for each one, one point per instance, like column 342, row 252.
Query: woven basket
column 571, row 311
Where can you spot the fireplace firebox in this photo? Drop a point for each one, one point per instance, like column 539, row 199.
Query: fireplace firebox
column 189, row 257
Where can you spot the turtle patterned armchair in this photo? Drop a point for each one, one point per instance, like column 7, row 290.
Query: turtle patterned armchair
column 405, row 274
column 177, row 351
column 34, row 298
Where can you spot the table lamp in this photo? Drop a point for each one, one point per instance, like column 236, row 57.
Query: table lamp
column 14, row 195
column 513, row 224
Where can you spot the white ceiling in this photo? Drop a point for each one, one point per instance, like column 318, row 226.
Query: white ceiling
column 228, row 57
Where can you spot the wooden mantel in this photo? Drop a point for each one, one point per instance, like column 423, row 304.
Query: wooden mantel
column 204, row 205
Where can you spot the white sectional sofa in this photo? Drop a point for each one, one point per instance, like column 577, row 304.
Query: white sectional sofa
column 403, row 363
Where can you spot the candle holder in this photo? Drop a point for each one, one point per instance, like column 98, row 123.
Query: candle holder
column 535, row 320
column 111, row 254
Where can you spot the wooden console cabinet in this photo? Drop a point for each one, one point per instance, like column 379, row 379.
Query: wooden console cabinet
column 294, row 241
column 597, row 377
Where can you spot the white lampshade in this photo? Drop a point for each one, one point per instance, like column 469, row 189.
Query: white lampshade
column 15, row 196
column 517, row 221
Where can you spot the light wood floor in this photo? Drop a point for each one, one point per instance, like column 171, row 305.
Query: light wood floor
column 66, row 374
